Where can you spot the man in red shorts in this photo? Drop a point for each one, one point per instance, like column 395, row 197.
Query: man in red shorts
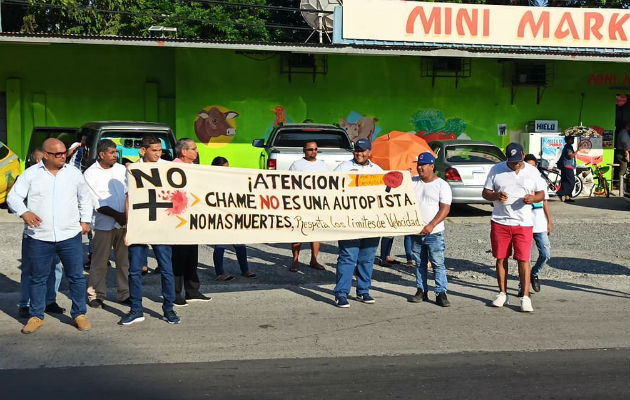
column 513, row 186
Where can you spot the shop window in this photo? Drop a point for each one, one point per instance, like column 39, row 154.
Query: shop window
column 445, row 67
column 300, row 63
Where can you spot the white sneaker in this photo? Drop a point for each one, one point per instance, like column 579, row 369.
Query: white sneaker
column 526, row 304
column 501, row 300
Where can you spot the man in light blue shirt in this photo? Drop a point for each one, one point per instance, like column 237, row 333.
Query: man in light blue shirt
column 58, row 210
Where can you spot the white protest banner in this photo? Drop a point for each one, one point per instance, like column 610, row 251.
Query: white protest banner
column 176, row 203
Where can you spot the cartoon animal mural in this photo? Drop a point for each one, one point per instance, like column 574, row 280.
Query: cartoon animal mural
column 432, row 125
column 363, row 127
column 280, row 117
column 212, row 122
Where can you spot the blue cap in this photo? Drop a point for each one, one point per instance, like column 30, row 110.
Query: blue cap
column 363, row 144
column 426, row 158
column 514, row 152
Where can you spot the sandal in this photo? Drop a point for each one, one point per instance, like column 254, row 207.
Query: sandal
column 224, row 277
column 317, row 266
column 249, row 274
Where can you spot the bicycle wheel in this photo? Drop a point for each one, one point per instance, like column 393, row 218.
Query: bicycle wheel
column 577, row 189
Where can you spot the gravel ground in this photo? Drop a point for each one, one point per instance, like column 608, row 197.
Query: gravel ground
column 590, row 245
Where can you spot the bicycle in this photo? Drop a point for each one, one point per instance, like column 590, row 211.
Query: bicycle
column 552, row 177
column 601, row 188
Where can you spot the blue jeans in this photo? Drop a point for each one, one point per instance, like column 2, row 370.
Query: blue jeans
column 52, row 285
column 544, row 252
column 355, row 255
column 386, row 247
column 40, row 255
column 241, row 256
column 430, row 248
column 137, row 258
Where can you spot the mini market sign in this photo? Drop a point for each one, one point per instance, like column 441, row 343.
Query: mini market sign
column 413, row 21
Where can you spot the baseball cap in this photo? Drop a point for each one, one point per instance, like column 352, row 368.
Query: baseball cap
column 363, row 144
column 514, row 152
column 426, row 158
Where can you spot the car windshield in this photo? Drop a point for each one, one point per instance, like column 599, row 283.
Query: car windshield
column 324, row 138
column 128, row 144
column 469, row 153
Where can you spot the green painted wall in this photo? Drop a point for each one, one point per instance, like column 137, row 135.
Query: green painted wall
column 67, row 85
column 387, row 88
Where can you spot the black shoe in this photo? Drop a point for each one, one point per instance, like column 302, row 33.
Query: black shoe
column 24, row 312
column 199, row 297
column 180, row 302
column 126, row 302
column 53, row 308
column 441, row 300
column 96, row 303
column 419, row 297
column 535, row 283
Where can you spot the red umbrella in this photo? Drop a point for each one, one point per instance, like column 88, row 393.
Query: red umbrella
column 398, row 151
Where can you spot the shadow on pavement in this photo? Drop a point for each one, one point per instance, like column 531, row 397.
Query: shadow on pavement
column 603, row 203
column 594, row 266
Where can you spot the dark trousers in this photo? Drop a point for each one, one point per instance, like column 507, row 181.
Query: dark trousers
column 185, row 259
column 567, row 182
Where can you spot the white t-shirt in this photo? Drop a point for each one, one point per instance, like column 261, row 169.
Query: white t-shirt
column 540, row 220
column 108, row 187
column 429, row 196
column 351, row 165
column 514, row 212
column 309, row 166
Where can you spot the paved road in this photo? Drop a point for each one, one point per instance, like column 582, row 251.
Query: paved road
column 586, row 374
column 290, row 318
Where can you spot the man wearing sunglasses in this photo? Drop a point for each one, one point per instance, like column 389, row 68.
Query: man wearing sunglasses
column 356, row 254
column 309, row 163
column 58, row 210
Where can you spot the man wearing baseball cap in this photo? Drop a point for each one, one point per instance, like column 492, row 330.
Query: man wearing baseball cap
column 433, row 196
column 356, row 254
column 513, row 186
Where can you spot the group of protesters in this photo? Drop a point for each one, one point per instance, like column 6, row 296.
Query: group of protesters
column 59, row 204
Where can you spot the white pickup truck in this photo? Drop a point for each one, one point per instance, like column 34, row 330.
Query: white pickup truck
column 285, row 145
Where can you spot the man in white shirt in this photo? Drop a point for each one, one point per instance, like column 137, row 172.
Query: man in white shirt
column 434, row 199
column 356, row 254
column 57, row 212
column 152, row 152
column 107, row 181
column 513, row 186
column 309, row 163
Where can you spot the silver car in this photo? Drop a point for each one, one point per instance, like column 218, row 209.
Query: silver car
column 465, row 164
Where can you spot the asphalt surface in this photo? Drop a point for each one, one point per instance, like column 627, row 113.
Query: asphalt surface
column 252, row 328
column 602, row 374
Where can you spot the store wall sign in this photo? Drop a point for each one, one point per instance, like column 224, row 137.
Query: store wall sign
column 542, row 125
column 413, row 21
column 609, row 80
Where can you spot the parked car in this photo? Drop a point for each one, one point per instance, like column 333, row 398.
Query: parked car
column 126, row 134
column 285, row 145
column 465, row 164
column 9, row 168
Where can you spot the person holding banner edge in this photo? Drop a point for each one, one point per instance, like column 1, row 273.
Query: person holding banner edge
column 152, row 147
column 356, row 254
column 309, row 163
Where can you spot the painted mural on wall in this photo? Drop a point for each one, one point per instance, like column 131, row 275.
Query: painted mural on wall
column 215, row 125
column 590, row 148
column 359, row 126
column 433, row 125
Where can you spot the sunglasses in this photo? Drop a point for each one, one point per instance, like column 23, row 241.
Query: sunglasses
column 60, row 154
column 310, row 149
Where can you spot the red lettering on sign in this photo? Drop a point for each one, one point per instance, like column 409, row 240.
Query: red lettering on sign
column 434, row 20
column 626, row 80
column 561, row 33
column 448, row 15
column 486, row 23
column 593, row 21
column 615, row 27
column 471, row 22
column 528, row 19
